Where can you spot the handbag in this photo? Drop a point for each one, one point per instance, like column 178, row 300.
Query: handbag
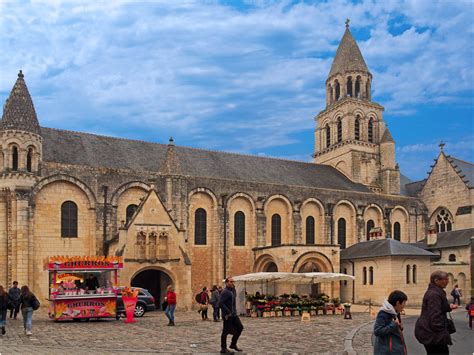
column 35, row 304
column 450, row 324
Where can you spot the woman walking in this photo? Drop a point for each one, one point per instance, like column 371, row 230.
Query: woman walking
column 431, row 329
column 171, row 305
column 29, row 303
column 3, row 309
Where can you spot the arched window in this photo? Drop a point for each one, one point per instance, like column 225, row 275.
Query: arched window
column 14, row 158
column 341, row 232
column 370, row 131
column 413, row 279
column 337, row 89
column 339, row 130
column 331, row 98
column 371, row 275
column 367, row 89
column 310, row 230
column 397, row 233
column 68, row 220
column 408, row 274
column 444, row 221
column 239, row 228
column 276, row 229
column 349, row 86
column 452, row 257
column 364, row 276
column 130, row 211
column 357, row 128
column 200, row 227
column 357, row 87
column 29, row 160
column 328, row 135
column 369, row 226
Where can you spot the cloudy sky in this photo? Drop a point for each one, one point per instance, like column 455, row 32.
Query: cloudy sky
column 242, row 76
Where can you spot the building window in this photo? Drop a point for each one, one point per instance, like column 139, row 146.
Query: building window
column 341, row 232
column 357, row 87
column 200, row 227
column 328, row 136
column 349, row 86
column 413, row 279
column 337, row 89
column 452, row 258
column 339, row 130
column 364, row 275
column 397, row 233
column 357, row 128
column 68, row 220
column 29, row 160
column 14, row 158
column 276, row 229
column 371, row 275
column 444, row 221
column 408, row 274
column 141, row 246
column 310, row 230
column 369, row 226
column 130, row 211
column 370, row 131
column 239, row 228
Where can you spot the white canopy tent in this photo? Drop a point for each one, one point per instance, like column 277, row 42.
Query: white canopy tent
column 262, row 278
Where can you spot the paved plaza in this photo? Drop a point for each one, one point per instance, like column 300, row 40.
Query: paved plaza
column 287, row 335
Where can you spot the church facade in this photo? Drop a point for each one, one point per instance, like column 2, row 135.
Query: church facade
column 191, row 217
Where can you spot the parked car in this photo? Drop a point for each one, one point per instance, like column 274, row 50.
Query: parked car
column 145, row 303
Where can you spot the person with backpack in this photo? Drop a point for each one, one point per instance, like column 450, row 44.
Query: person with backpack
column 388, row 329
column 28, row 304
column 204, row 301
column 3, row 309
column 470, row 311
column 456, row 293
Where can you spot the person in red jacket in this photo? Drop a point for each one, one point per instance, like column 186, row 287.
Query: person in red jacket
column 171, row 301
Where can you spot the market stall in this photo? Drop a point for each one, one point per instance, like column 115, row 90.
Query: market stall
column 264, row 302
column 83, row 287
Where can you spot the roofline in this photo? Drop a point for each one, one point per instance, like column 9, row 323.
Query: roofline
column 397, row 255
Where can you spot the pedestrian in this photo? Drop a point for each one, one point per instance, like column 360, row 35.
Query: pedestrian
column 14, row 300
column 431, row 328
column 470, row 311
column 171, row 305
column 204, row 303
column 215, row 303
column 456, row 293
column 388, row 328
column 3, row 309
column 232, row 324
column 28, row 304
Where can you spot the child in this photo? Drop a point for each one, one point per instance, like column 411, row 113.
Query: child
column 388, row 328
column 470, row 311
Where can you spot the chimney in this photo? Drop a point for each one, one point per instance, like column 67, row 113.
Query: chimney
column 432, row 237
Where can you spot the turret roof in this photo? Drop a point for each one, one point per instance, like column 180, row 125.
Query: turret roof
column 387, row 137
column 348, row 56
column 19, row 111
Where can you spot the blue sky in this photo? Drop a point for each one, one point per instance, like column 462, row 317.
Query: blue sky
column 242, row 76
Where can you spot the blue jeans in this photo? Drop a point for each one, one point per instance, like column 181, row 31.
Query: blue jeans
column 169, row 311
column 27, row 314
column 215, row 313
column 3, row 318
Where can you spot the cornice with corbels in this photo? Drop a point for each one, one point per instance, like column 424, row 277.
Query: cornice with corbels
column 358, row 102
column 343, row 143
column 348, row 73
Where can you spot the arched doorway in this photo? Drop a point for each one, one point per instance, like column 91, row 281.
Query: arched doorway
column 313, row 289
column 155, row 281
column 271, row 267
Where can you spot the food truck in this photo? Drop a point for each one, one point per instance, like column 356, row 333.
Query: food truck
column 83, row 287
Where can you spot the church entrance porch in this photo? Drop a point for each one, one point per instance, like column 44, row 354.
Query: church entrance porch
column 155, row 281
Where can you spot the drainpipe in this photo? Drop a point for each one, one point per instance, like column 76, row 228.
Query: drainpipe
column 104, row 226
column 353, row 282
column 225, row 234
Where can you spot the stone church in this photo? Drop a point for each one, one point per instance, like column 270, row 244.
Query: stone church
column 191, row 216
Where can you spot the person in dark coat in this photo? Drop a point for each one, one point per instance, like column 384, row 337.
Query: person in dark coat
column 388, row 329
column 215, row 303
column 3, row 309
column 431, row 328
column 14, row 299
column 232, row 324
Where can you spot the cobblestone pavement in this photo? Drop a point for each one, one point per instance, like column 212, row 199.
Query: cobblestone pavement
column 286, row 335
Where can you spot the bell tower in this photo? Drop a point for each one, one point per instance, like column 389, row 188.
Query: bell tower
column 351, row 134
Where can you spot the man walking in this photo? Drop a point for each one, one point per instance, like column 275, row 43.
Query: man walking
column 232, row 323
column 14, row 299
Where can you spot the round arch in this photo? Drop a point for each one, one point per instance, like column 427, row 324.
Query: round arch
column 276, row 197
column 263, row 262
column 242, row 195
column 155, row 280
column 121, row 189
column 317, row 258
column 205, row 191
column 63, row 177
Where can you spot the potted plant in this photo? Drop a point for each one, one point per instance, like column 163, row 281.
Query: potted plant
column 278, row 311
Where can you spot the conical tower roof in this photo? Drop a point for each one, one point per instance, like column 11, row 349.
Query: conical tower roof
column 387, row 137
column 348, row 56
column 19, row 111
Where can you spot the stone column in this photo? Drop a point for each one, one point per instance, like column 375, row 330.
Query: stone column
column 6, row 159
column 261, row 228
column 329, row 224
column 297, row 227
column 22, row 229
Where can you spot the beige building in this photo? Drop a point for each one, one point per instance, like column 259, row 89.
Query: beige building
column 191, row 217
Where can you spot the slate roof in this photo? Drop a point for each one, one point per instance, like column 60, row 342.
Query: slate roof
column 348, row 56
column 464, row 169
column 19, row 111
column 382, row 247
column 411, row 188
column 77, row 148
column 458, row 238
